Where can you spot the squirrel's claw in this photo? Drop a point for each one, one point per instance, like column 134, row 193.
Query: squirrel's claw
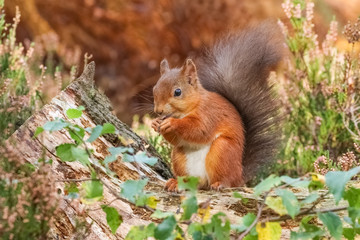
column 156, row 124
column 217, row 186
column 172, row 185
column 166, row 126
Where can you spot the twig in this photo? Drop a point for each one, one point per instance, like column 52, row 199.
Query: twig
column 77, row 180
column 305, row 212
column 257, row 217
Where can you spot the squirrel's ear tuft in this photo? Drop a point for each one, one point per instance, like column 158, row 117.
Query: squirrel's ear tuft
column 164, row 66
column 189, row 70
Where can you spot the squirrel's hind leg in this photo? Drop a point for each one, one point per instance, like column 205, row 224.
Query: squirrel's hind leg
column 224, row 164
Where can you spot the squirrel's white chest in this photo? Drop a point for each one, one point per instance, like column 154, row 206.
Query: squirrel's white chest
column 195, row 162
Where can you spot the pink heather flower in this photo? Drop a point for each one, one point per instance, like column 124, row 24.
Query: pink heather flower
column 287, row 6
column 283, row 28
column 309, row 11
column 297, row 12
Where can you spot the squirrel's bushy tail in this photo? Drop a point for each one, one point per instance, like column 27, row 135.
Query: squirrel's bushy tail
column 238, row 67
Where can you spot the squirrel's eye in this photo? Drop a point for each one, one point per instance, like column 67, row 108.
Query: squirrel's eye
column 177, row 92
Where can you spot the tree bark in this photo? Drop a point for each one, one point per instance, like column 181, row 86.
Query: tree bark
column 98, row 111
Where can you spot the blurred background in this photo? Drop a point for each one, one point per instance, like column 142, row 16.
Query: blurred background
column 128, row 39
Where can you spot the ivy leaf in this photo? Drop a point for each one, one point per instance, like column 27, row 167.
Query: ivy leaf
column 337, row 180
column 72, row 113
column 269, row 230
column 55, row 125
column 108, row 128
column 164, row 230
column 95, row 133
column 132, row 189
column 310, row 199
column 276, row 204
column 113, row 218
column 333, row 223
column 38, row 131
column 188, row 183
column 267, row 184
column 69, row 152
column 190, row 207
column 290, row 201
column 93, row 189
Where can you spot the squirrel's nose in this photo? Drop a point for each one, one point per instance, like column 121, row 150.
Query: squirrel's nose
column 158, row 110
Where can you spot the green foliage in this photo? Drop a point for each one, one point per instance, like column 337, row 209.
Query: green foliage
column 68, row 152
column 290, row 202
column 333, row 223
column 188, row 183
column 267, row 184
column 112, row 217
column 336, row 182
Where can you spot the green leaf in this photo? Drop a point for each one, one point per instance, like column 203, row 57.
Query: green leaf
column 141, row 157
column 38, row 131
column 190, row 207
column 276, row 204
column 195, row 230
column 267, row 184
column 77, row 133
column 311, row 198
column 238, row 195
column 220, row 226
column 245, row 222
column 160, row 214
column 295, row 182
column 188, row 183
column 333, row 223
column 55, row 125
column 113, row 218
column 95, row 133
column 352, row 195
column 290, row 202
column 72, row 113
column 69, row 152
column 164, row 230
column 141, row 232
column 337, row 180
column 108, row 128
column 115, row 152
column 132, row 189
column 93, row 189
column 71, row 190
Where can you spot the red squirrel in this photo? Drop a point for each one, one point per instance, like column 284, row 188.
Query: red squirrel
column 219, row 111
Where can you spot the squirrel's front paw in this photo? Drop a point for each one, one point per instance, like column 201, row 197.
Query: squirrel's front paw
column 171, row 185
column 155, row 124
column 167, row 126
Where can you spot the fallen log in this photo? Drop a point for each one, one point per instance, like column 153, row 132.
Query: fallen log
column 82, row 92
